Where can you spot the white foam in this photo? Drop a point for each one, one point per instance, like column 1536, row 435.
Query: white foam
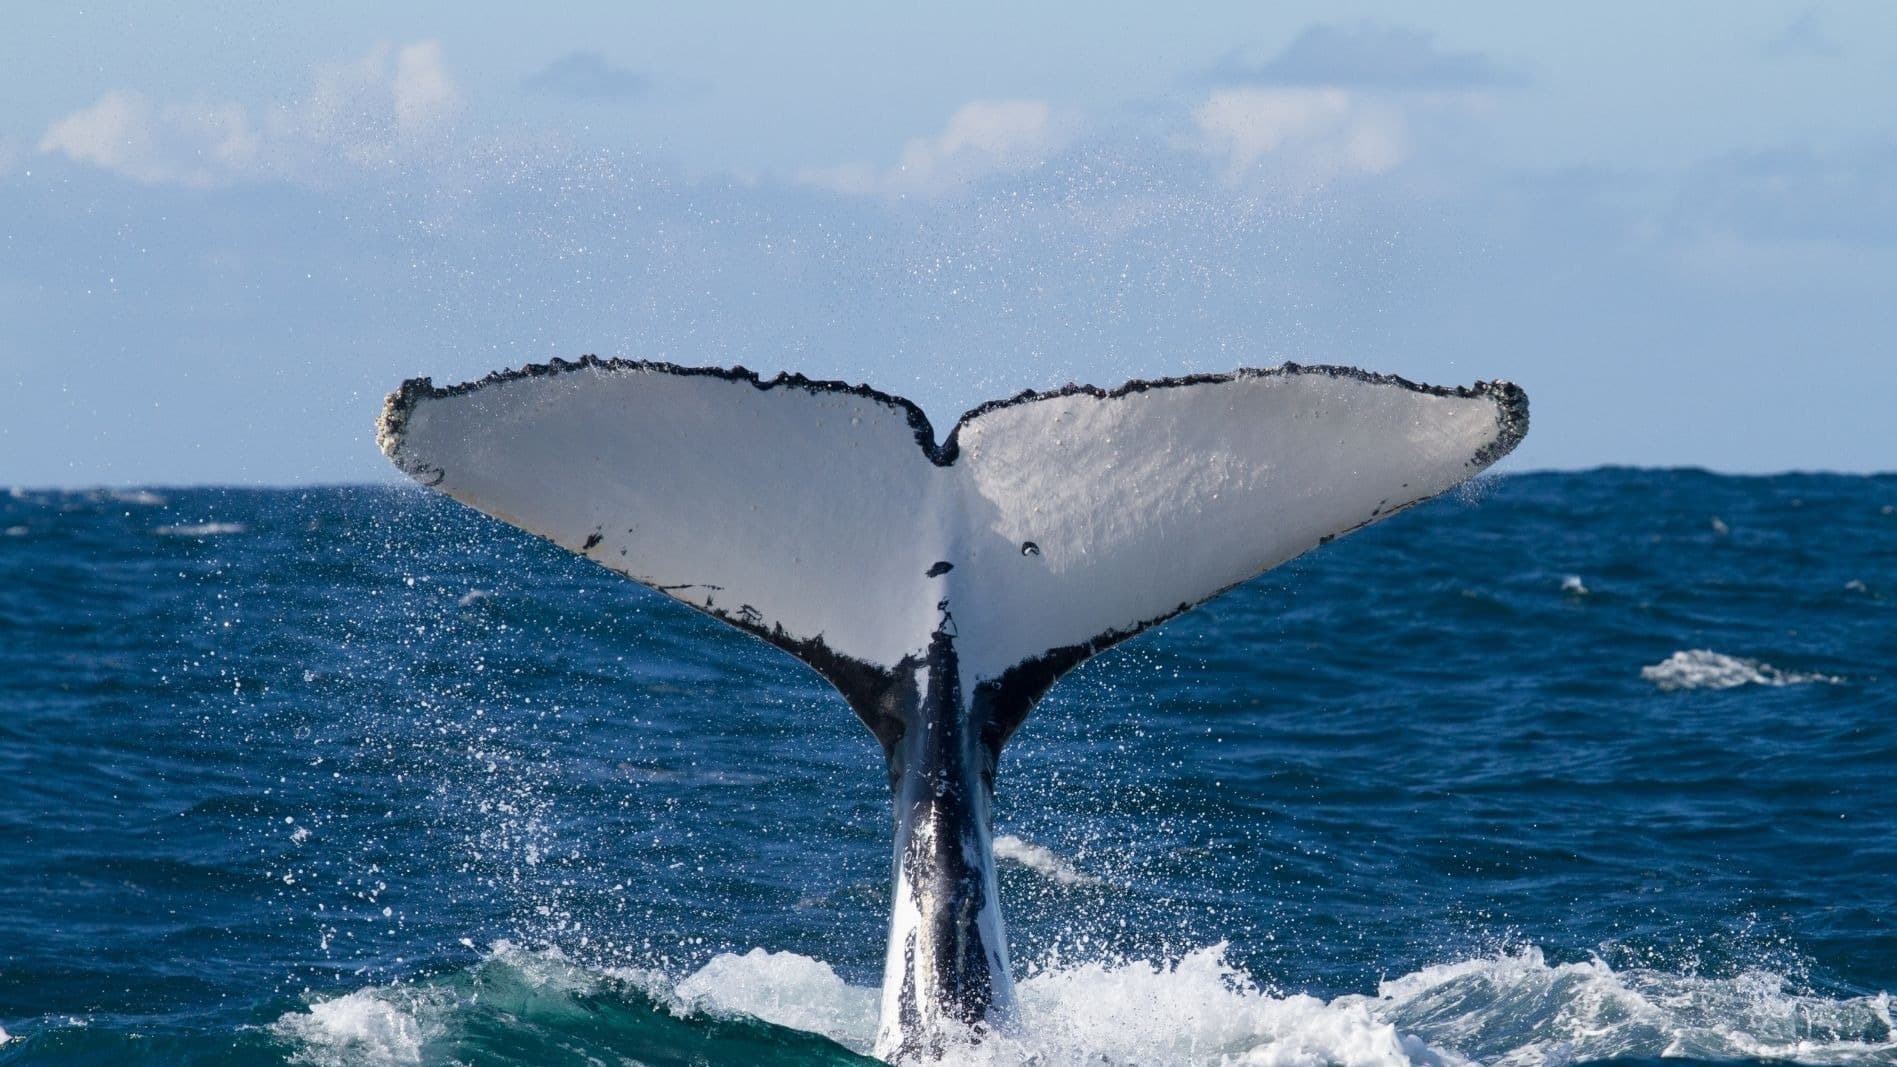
column 365, row 1027
column 1512, row 1009
column 1517, row 1009
column 4, row 1036
column 1572, row 584
column 388, row 1026
column 1702, row 668
column 1508, row 1010
column 1041, row 860
column 144, row 498
column 201, row 529
column 786, row 989
column 1198, row 1010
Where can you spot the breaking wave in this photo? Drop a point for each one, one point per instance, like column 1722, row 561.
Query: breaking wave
column 1510, row 1008
column 1701, row 668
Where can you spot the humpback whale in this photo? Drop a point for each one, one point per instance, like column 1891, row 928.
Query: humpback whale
column 942, row 586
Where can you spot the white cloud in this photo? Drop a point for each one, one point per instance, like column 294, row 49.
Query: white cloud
column 387, row 108
column 181, row 144
column 1301, row 136
column 983, row 138
column 424, row 94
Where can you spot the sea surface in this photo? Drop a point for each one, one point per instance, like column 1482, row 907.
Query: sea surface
column 1563, row 768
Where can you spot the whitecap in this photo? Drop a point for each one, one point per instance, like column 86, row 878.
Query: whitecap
column 786, row 989
column 1041, row 860
column 1573, row 586
column 1512, row 1009
column 1702, row 668
column 1200, row 1009
column 144, row 498
column 1518, row 1010
column 1197, row 1010
column 201, row 529
column 368, row 1027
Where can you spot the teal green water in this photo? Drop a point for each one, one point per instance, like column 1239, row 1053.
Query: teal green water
column 1576, row 767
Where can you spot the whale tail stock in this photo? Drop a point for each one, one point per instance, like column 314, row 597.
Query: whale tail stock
column 942, row 587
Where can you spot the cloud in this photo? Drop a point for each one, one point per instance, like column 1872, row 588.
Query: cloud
column 588, row 76
column 1301, row 136
column 1367, row 56
column 178, row 144
column 1341, row 102
column 382, row 110
column 1805, row 36
column 983, row 139
column 423, row 93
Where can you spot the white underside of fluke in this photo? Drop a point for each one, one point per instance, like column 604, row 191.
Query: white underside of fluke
column 1064, row 518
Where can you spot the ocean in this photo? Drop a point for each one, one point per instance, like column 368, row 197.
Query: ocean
column 1563, row 767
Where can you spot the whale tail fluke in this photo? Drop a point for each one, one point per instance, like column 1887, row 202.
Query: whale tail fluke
column 942, row 586
column 828, row 520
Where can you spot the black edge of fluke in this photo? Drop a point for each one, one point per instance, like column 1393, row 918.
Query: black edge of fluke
column 1511, row 402
column 1511, row 418
column 398, row 405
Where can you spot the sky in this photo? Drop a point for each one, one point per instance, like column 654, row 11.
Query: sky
column 226, row 233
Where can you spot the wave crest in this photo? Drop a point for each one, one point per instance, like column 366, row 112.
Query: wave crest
column 1517, row 1009
column 1513, row 1010
column 1702, row 668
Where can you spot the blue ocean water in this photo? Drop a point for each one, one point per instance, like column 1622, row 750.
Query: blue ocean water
column 1566, row 767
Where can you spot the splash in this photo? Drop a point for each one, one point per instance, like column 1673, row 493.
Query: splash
column 1041, row 860
column 1518, row 1009
column 1509, row 1009
column 785, row 989
column 200, row 529
column 371, row 1027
